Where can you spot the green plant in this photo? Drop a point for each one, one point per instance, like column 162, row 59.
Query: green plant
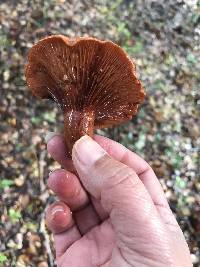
column 31, row 226
column 36, row 120
column 49, row 116
column 182, row 201
column 3, row 258
column 108, row 10
column 180, row 183
column 140, row 144
column 170, row 60
column 136, row 49
column 4, row 183
column 14, row 215
column 123, row 30
column 191, row 59
column 4, row 41
column 30, row 208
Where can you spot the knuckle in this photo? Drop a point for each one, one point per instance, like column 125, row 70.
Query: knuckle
column 120, row 175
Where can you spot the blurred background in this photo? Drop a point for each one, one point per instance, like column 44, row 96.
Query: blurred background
column 164, row 39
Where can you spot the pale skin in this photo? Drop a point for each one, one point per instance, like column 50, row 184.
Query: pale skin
column 113, row 211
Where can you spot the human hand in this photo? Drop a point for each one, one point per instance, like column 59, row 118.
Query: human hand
column 116, row 215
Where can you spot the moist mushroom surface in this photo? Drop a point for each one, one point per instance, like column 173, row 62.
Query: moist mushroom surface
column 94, row 82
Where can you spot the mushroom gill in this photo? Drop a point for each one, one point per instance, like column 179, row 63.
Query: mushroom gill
column 94, row 82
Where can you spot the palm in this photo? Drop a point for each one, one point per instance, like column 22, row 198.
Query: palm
column 91, row 240
column 125, row 222
column 96, row 236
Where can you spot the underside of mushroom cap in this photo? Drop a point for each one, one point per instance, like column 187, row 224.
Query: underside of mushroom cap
column 85, row 74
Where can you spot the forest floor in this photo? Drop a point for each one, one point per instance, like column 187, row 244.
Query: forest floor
column 163, row 37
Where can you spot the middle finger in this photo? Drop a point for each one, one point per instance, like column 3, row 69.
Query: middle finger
column 68, row 188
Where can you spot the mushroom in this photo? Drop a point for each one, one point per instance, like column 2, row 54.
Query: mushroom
column 94, row 82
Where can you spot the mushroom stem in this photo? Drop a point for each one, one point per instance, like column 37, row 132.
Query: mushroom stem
column 77, row 124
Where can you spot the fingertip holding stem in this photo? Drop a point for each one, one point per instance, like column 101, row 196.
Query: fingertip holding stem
column 86, row 151
column 56, row 147
column 49, row 136
column 89, row 159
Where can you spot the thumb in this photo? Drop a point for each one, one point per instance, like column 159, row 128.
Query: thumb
column 121, row 193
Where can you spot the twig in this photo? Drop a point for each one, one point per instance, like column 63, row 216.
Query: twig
column 46, row 241
column 41, row 170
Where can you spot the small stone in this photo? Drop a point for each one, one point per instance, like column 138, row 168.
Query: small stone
column 190, row 199
column 19, row 240
column 186, row 211
column 168, row 194
column 11, row 244
column 169, row 183
column 24, row 200
column 6, row 75
column 42, row 264
column 23, row 259
column 32, row 249
column 178, row 20
column 194, row 258
column 19, row 181
column 12, row 121
column 36, row 139
column 14, row 13
column 37, row 14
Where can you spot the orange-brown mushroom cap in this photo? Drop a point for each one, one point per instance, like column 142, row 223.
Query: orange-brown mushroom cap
column 93, row 81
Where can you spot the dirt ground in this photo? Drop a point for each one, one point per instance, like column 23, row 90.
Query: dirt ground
column 164, row 39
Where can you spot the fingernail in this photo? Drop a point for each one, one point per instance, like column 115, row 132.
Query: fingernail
column 49, row 136
column 87, row 151
column 56, row 210
column 58, row 214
